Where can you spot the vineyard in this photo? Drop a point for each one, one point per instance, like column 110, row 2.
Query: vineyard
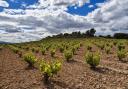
column 65, row 63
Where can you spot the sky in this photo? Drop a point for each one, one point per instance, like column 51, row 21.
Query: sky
column 30, row 20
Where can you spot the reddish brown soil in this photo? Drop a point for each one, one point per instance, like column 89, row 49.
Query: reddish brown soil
column 110, row 74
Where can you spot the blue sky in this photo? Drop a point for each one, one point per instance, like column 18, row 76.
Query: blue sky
column 83, row 10
column 18, row 3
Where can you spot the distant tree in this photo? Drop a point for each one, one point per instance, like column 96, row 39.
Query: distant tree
column 83, row 35
column 76, row 34
column 101, row 36
column 79, row 34
column 48, row 37
column 87, row 33
column 92, row 32
column 121, row 36
column 59, row 35
column 108, row 36
column 66, row 35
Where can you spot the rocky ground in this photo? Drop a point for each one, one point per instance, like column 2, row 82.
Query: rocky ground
column 110, row 74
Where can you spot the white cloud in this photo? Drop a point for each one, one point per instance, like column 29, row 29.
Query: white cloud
column 3, row 3
column 43, row 20
column 63, row 2
column 112, row 16
column 57, row 4
column 91, row 6
column 32, row 26
column 38, row 21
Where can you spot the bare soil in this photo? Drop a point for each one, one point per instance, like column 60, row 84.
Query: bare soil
column 110, row 74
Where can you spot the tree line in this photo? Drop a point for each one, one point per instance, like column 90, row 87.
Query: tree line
column 89, row 33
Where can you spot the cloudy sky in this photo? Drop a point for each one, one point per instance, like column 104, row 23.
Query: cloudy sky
column 29, row 20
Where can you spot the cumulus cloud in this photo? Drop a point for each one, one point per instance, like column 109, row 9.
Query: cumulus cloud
column 29, row 27
column 48, row 18
column 3, row 3
column 63, row 2
column 58, row 4
column 111, row 16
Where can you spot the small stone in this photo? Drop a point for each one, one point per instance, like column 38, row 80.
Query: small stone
column 79, row 86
